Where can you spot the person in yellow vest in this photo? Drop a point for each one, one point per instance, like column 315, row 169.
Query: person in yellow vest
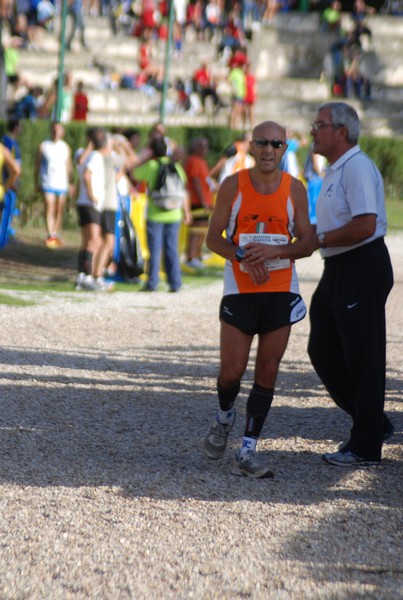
column 12, row 170
column 261, row 210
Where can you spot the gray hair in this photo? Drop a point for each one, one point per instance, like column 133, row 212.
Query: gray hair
column 344, row 114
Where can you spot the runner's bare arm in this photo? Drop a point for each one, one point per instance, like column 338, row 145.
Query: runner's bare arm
column 215, row 240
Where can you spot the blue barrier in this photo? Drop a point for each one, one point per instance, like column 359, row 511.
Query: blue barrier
column 126, row 203
column 313, row 189
column 9, row 211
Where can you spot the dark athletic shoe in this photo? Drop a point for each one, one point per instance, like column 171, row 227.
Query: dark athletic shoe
column 345, row 458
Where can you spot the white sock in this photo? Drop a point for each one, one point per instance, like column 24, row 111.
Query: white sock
column 249, row 443
column 225, row 417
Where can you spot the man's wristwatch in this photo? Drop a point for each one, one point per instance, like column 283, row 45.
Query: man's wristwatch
column 240, row 254
column 321, row 240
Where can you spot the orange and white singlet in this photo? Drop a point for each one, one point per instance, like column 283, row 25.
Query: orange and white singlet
column 264, row 218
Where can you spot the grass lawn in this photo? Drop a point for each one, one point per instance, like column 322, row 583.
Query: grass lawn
column 27, row 264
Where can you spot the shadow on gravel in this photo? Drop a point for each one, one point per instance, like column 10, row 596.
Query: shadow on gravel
column 364, row 551
column 137, row 425
column 24, row 260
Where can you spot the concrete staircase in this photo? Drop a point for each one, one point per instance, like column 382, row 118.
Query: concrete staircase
column 289, row 64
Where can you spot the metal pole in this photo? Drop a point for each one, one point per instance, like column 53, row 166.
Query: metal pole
column 167, row 61
column 61, row 61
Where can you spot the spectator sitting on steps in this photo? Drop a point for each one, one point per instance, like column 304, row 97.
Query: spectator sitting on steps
column 205, row 86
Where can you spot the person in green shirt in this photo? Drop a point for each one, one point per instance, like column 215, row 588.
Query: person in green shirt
column 237, row 79
column 163, row 225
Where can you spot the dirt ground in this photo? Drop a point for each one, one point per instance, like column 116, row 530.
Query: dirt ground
column 105, row 492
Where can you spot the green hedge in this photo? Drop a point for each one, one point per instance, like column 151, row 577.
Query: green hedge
column 387, row 154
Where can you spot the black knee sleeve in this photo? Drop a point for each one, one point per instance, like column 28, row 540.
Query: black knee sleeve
column 81, row 261
column 226, row 398
column 257, row 408
column 85, row 262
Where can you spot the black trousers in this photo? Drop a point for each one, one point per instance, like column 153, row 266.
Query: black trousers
column 347, row 343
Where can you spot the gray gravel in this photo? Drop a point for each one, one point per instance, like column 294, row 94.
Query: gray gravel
column 105, row 490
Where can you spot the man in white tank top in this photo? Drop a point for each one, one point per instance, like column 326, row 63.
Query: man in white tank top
column 53, row 175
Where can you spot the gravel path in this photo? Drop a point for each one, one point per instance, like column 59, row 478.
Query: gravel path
column 105, row 490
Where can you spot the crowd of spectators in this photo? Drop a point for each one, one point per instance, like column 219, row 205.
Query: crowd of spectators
column 228, row 81
column 346, row 67
column 228, row 27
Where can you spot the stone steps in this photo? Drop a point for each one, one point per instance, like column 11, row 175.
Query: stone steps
column 290, row 73
column 127, row 107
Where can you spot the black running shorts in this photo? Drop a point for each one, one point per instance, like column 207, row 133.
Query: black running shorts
column 108, row 221
column 262, row 312
column 88, row 214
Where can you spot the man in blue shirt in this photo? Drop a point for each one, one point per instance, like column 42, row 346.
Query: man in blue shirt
column 10, row 141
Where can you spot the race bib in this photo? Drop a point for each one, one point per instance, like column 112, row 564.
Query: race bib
column 267, row 238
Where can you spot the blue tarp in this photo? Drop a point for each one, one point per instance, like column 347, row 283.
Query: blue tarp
column 8, row 212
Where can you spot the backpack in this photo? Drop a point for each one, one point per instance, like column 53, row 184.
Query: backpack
column 130, row 262
column 170, row 191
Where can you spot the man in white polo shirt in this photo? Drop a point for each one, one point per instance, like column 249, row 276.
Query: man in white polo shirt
column 347, row 343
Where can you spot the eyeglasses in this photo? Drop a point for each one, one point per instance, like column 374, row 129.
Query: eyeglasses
column 262, row 143
column 319, row 125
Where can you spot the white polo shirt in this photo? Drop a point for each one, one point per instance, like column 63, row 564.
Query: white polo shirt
column 352, row 186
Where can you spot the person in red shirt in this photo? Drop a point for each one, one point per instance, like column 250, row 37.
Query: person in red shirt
column 80, row 107
column 201, row 198
column 194, row 18
column 250, row 98
column 147, row 67
column 149, row 11
column 238, row 59
column 204, row 86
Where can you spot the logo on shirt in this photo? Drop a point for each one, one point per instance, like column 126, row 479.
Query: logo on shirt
column 250, row 217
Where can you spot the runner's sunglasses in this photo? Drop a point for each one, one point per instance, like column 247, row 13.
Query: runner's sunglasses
column 262, row 143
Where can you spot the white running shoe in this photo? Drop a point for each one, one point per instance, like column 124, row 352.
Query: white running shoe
column 195, row 263
column 215, row 441
column 90, row 284
column 105, row 286
column 80, row 281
